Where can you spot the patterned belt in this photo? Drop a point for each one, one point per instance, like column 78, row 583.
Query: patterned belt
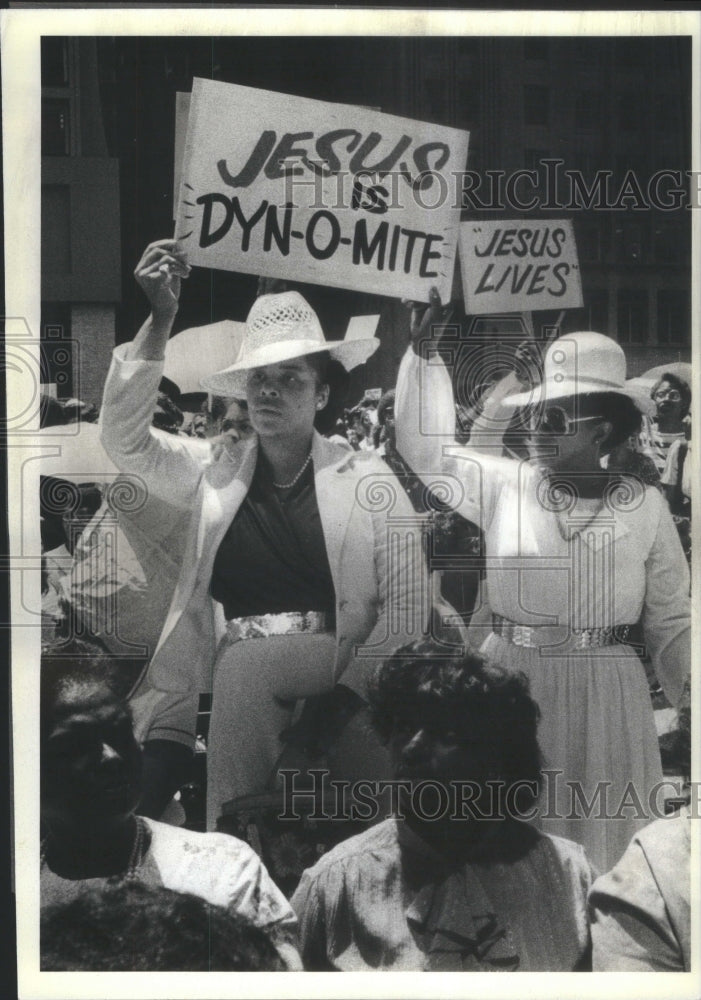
column 536, row 636
column 284, row 623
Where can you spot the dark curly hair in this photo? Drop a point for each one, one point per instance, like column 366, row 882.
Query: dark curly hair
column 76, row 662
column 460, row 692
column 329, row 372
column 131, row 927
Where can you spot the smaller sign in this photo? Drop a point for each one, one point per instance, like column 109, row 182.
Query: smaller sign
column 362, row 327
column 516, row 266
column 182, row 111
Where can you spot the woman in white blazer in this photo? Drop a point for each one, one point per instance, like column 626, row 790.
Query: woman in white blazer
column 314, row 553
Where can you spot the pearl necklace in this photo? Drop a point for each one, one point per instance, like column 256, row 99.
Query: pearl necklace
column 288, row 486
column 130, row 873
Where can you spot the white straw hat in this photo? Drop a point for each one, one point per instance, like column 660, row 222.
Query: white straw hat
column 280, row 327
column 581, row 363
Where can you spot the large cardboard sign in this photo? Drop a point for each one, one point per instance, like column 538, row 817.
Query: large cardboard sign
column 334, row 194
column 519, row 266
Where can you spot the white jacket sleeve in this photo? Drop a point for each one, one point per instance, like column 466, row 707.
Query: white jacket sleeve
column 402, row 595
column 667, row 608
column 466, row 478
column 169, row 467
column 424, row 412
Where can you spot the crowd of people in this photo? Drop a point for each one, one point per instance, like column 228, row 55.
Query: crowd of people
column 453, row 608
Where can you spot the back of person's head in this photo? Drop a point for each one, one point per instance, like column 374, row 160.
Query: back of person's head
column 132, row 927
column 419, row 681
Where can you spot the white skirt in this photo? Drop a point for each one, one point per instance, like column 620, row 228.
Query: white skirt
column 599, row 743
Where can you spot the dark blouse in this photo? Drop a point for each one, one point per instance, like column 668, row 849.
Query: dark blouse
column 273, row 556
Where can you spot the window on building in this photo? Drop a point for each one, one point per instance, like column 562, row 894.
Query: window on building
column 673, row 316
column 536, row 49
column 435, row 88
column 629, row 242
column 55, row 127
column 598, row 311
column 671, row 242
column 532, row 158
column 588, row 238
column 631, row 53
column 592, row 316
column 54, row 61
column 56, row 257
column 536, row 104
column 588, row 111
column 668, row 110
column 632, row 315
column 630, row 112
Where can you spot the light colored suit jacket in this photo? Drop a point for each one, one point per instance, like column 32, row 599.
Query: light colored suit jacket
column 372, row 535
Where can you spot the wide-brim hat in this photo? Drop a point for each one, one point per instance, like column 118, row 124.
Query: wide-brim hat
column 579, row 363
column 280, row 327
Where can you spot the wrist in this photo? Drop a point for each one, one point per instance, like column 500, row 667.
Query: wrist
column 163, row 317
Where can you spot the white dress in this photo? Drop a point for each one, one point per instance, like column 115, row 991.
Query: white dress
column 595, row 565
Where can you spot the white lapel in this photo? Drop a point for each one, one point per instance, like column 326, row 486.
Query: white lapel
column 224, row 486
column 335, row 495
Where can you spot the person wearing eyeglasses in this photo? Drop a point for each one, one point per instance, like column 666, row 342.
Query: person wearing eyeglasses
column 672, row 398
column 576, row 555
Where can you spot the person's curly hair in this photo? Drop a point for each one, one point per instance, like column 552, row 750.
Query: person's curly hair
column 462, row 693
column 131, row 927
column 65, row 663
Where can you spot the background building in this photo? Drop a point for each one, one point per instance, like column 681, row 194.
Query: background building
column 595, row 104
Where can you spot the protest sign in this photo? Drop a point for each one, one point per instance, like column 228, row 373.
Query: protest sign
column 333, row 194
column 517, row 266
column 182, row 111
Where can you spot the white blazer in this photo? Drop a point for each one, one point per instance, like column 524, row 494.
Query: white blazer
column 372, row 535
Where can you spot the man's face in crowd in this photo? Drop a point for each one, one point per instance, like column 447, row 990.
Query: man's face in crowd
column 91, row 763
column 437, row 747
